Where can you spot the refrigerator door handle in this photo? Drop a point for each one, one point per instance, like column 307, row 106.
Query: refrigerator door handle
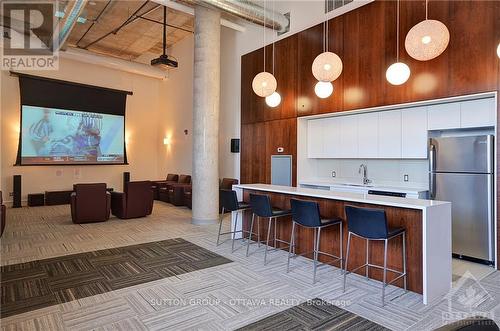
column 491, row 230
column 432, row 168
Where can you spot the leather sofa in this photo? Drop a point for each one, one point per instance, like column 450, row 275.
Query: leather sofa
column 156, row 184
column 2, row 215
column 165, row 187
column 90, row 203
column 188, row 197
column 135, row 201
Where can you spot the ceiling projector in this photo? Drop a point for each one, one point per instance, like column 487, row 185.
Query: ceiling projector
column 164, row 60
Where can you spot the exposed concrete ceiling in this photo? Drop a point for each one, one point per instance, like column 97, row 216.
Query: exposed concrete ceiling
column 134, row 39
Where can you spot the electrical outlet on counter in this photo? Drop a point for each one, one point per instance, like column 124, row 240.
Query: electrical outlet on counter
column 406, row 178
column 334, row 174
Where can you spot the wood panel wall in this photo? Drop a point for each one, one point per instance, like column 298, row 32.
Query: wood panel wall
column 365, row 39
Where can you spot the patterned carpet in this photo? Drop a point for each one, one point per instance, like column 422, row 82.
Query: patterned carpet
column 314, row 314
column 42, row 283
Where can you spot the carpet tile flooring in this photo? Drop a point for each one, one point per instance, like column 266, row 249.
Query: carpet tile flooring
column 227, row 296
column 314, row 314
column 42, row 283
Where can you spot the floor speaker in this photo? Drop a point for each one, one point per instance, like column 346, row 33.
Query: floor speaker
column 126, row 178
column 17, row 191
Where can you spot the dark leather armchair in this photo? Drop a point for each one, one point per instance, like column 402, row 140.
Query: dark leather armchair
column 176, row 194
column 90, row 203
column 2, row 215
column 135, row 201
column 165, row 187
column 155, row 185
column 226, row 184
column 188, row 196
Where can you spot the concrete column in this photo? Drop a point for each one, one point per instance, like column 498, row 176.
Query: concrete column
column 206, row 116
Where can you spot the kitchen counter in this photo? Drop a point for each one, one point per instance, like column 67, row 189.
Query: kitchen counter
column 348, row 186
column 347, row 196
column 427, row 224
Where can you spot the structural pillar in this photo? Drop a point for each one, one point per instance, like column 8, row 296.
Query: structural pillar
column 206, row 95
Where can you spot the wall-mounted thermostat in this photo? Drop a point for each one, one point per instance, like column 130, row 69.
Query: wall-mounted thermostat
column 281, row 149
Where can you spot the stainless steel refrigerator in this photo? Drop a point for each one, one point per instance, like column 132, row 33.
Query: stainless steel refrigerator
column 462, row 171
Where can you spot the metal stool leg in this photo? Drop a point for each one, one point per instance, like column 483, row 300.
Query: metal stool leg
column 234, row 231
column 270, row 220
column 341, row 241
column 250, row 234
column 258, row 231
column 317, row 236
column 404, row 259
column 385, row 272
column 347, row 258
column 275, row 242
column 292, row 247
column 220, row 226
column 367, row 258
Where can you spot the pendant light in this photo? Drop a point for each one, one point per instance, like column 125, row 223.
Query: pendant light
column 264, row 83
column 498, row 50
column 327, row 66
column 397, row 73
column 274, row 99
column 323, row 89
column 428, row 39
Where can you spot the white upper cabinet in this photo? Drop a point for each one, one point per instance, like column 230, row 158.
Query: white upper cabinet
column 477, row 113
column 348, row 137
column 315, row 138
column 393, row 134
column 389, row 129
column 444, row 116
column 414, row 133
column 331, row 135
column 368, row 135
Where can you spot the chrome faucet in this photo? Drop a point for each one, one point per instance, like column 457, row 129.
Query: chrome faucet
column 364, row 169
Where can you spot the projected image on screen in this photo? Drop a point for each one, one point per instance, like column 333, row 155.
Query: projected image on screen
column 58, row 136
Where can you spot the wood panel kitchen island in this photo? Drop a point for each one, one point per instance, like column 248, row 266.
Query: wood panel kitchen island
column 427, row 224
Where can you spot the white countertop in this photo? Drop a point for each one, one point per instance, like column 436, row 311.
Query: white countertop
column 345, row 196
column 376, row 187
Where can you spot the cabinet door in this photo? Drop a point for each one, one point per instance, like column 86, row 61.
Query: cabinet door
column 331, row 137
column 444, row 116
column 348, row 137
column 477, row 113
column 389, row 142
column 315, row 138
column 414, row 131
column 368, row 135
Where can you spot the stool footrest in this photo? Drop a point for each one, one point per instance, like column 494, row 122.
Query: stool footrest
column 400, row 273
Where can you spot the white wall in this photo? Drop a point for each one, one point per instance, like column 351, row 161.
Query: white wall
column 176, row 113
column 142, row 115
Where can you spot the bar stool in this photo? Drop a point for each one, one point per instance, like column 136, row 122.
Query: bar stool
column 230, row 203
column 371, row 224
column 306, row 214
column 261, row 207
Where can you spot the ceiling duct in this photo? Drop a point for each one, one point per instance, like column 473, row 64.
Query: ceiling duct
column 247, row 10
column 67, row 23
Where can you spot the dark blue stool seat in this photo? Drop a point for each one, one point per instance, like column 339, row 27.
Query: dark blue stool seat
column 262, row 208
column 371, row 224
column 307, row 214
column 230, row 203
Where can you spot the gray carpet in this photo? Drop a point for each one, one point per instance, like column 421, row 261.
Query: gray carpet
column 314, row 314
column 42, row 283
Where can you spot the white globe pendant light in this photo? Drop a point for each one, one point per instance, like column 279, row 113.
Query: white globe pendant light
column 327, row 67
column 428, row 39
column 273, row 100
column 498, row 50
column 323, row 89
column 397, row 73
column 264, row 84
